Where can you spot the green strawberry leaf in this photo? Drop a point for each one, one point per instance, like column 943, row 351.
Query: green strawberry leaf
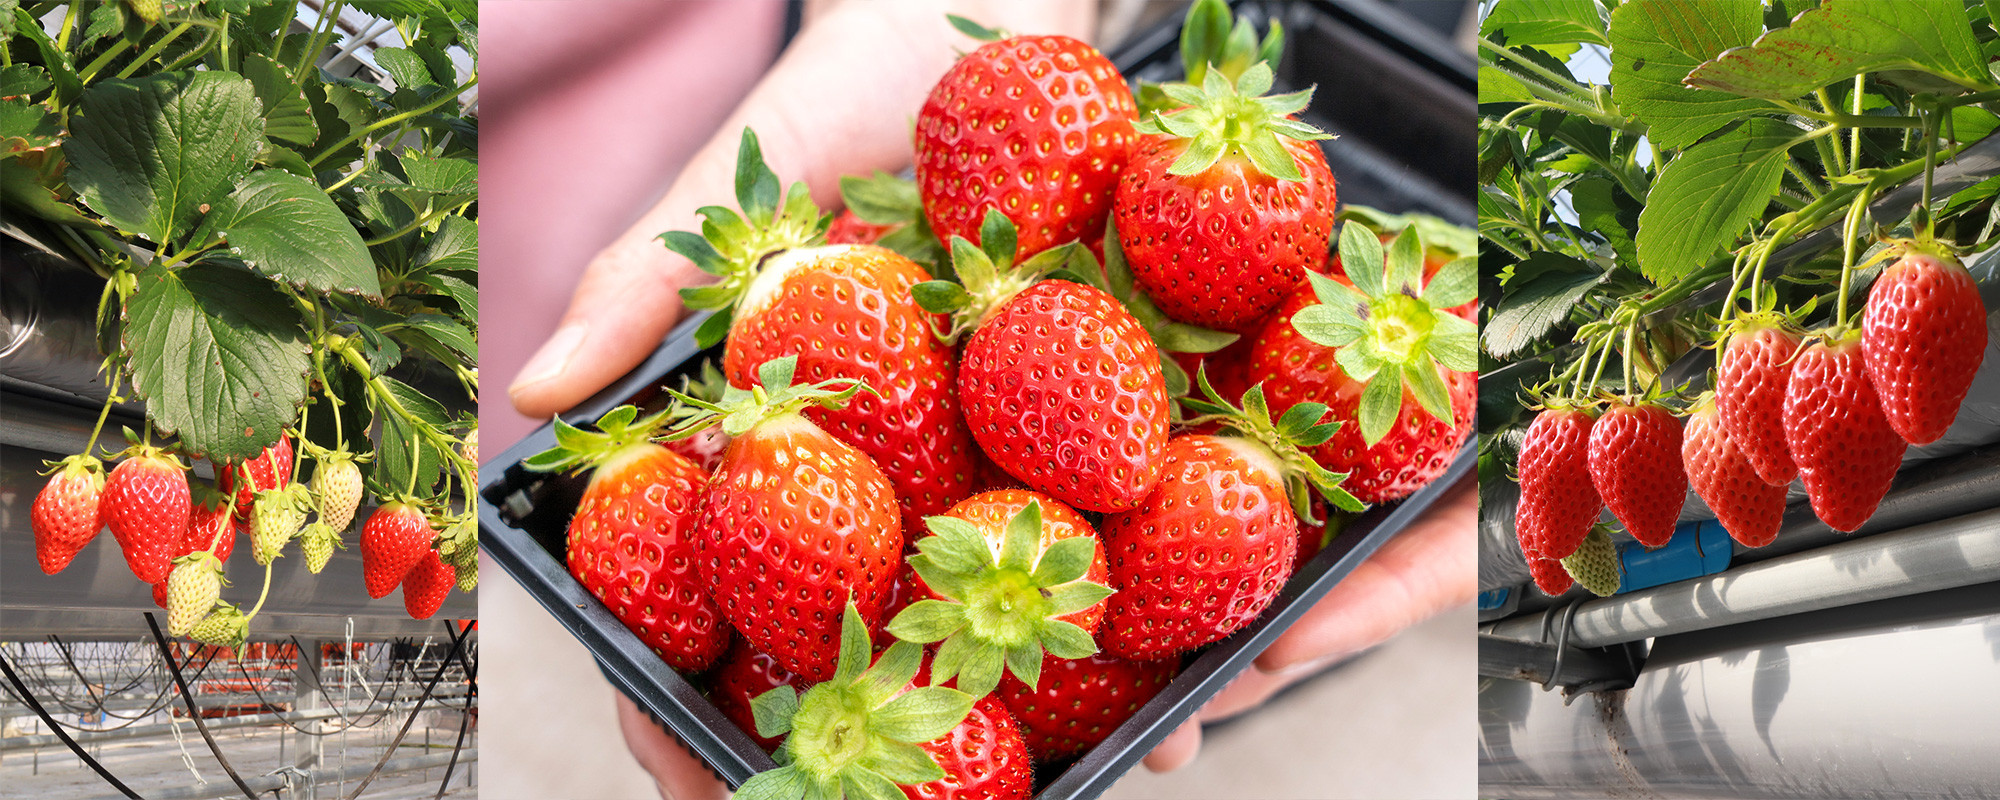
column 1708, row 196
column 288, row 115
column 1656, row 43
column 285, row 227
column 148, row 153
column 1844, row 38
column 1542, row 23
column 21, row 80
column 218, row 354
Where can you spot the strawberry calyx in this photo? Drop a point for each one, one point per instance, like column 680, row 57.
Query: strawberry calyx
column 890, row 201
column 773, row 396
column 83, row 464
column 986, row 276
column 621, row 435
column 1283, row 442
column 735, row 244
column 225, row 626
column 1225, row 118
column 1210, row 42
column 859, row 734
column 1002, row 608
column 1389, row 327
column 1438, row 235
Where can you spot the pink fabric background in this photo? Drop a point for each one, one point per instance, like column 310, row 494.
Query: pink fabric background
column 584, row 125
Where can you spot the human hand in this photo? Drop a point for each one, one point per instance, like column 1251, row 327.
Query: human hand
column 1414, row 576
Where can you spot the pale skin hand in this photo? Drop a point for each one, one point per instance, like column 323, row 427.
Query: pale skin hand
column 829, row 108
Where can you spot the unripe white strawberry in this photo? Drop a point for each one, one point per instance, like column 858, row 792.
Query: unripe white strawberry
column 280, row 514
column 1595, row 563
column 224, row 627
column 192, row 589
column 337, row 484
column 317, row 542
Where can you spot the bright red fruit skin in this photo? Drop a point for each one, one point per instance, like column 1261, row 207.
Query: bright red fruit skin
column 850, row 229
column 1748, row 508
column 1035, row 126
column 846, row 312
column 1635, row 465
column 203, row 526
column 793, row 523
column 1846, row 451
column 631, row 544
column 1221, row 248
column 1202, row 555
column 905, row 590
column 393, row 542
column 65, row 517
column 427, row 585
column 1079, row 702
column 1558, row 502
column 1418, row 448
column 984, row 758
column 1755, row 367
column 271, row 469
column 147, row 506
column 1550, row 577
column 743, row 675
column 1062, row 389
column 1923, row 336
column 989, row 512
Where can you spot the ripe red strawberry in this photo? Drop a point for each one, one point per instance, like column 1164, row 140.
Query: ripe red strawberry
column 1550, row 576
column 704, row 448
column 1226, row 203
column 427, row 585
column 1036, row 127
column 1748, row 508
column 1010, row 575
column 336, row 484
column 1390, row 443
column 869, row 730
column 1202, row 555
column 146, row 506
column 903, row 592
column 209, row 525
column 743, row 675
column 65, row 515
column 192, row 589
column 1312, row 536
column 1062, row 389
column 846, row 312
column 1751, row 375
column 1923, row 335
column 632, row 543
column 1558, row 502
column 1845, row 448
column 1081, row 701
column 271, row 469
column 794, row 522
column 160, row 593
column 1635, row 465
column 393, row 541
column 850, row 229
column 984, row 756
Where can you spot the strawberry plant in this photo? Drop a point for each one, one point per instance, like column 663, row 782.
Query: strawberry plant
column 1735, row 181
column 290, row 278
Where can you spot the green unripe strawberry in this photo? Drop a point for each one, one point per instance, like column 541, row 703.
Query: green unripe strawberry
column 192, row 589
column 224, row 627
column 280, row 514
column 468, row 575
column 1595, row 563
column 317, row 543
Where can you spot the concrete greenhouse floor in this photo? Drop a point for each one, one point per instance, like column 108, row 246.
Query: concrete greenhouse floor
column 1398, row 721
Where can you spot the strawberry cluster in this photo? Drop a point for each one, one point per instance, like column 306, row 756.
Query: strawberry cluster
column 1835, row 409
column 962, row 425
column 177, row 533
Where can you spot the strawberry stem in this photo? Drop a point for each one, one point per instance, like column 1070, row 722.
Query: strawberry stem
column 117, row 377
column 1850, row 238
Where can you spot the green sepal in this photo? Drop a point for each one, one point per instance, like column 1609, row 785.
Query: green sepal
column 783, row 783
column 987, row 275
column 1285, row 440
column 866, row 784
column 975, row 30
column 997, row 607
column 739, row 410
column 854, row 646
column 920, row 714
column 906, row 764
column 1389, row 326
column 734, row 243
column 1225, row 117
column 619, row 428
column 1067, row 640
column 773, row 710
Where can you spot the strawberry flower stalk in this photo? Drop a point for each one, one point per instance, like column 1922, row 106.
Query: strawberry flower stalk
column 1003, row 607
column 859, row 734
column 1390, row 327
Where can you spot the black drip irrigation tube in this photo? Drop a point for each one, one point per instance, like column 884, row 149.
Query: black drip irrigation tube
column 29, row 698
column 457, row 645
column 195, row 713
column 465, row 718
